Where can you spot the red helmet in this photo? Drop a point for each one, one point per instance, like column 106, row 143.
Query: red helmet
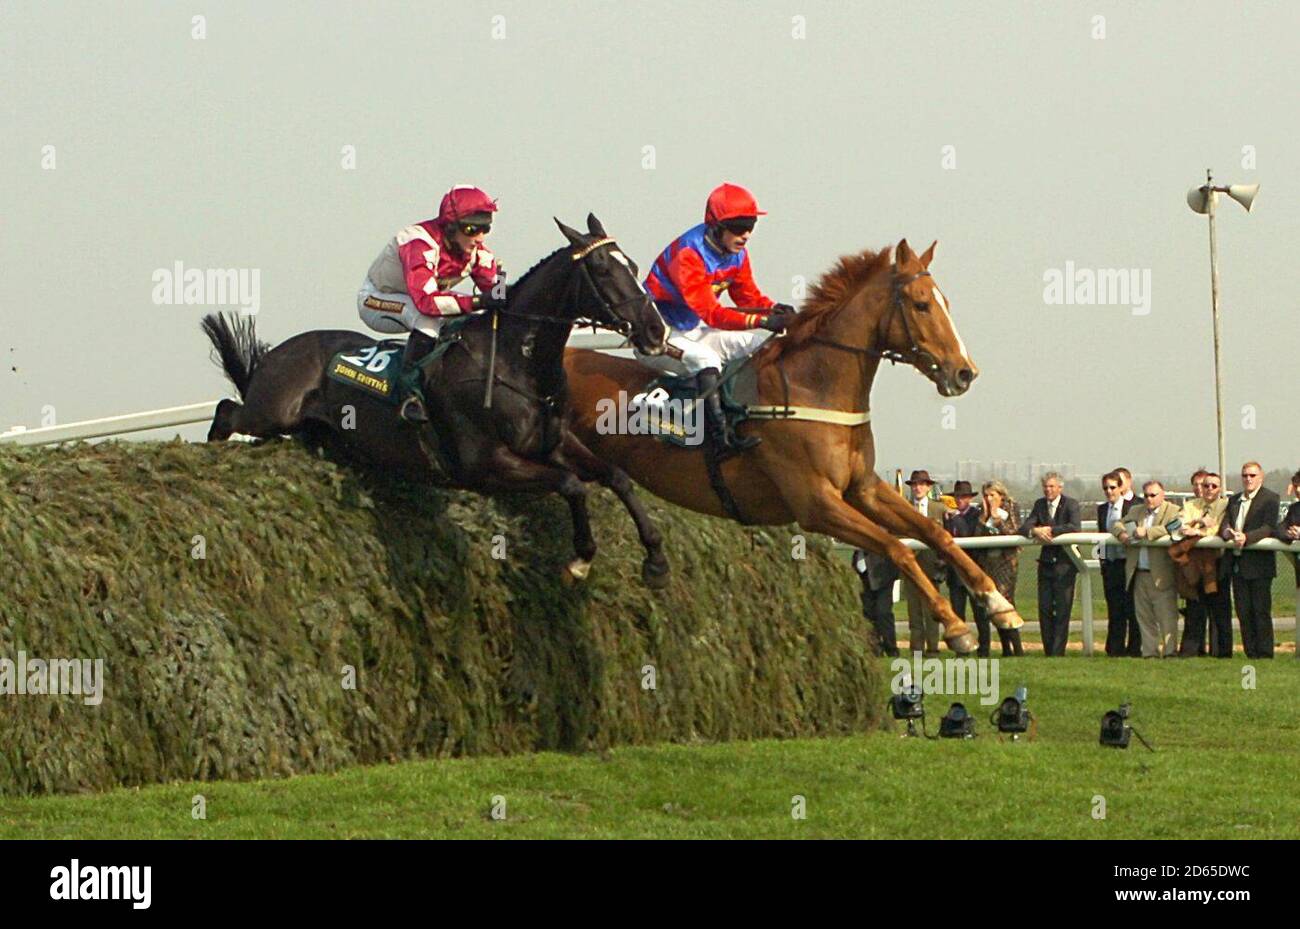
column 464, row 200
column 729, row 201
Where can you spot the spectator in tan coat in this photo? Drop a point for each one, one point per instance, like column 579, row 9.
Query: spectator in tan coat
column 1150, row 570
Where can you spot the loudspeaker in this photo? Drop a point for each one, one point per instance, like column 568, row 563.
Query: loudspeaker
column 1198, row 199
column 1244, row 194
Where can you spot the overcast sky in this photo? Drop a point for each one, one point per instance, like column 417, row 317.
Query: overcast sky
column 227, row 151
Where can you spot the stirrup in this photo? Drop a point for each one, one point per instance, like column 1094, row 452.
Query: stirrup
column 412, row 410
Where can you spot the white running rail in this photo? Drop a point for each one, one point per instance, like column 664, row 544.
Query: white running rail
column 128, row 423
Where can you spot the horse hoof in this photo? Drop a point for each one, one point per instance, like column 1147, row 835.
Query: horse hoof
column 654, row 574
column 1008, row 620
column 963, row 643
column 576, row 570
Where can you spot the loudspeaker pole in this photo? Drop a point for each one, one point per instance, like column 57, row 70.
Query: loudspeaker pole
column 1218, row 329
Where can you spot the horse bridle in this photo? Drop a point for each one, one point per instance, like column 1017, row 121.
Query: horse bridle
column 611, row 320
column 915, row 355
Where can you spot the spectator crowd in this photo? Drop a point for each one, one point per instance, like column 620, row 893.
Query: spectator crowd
column 1142, row 583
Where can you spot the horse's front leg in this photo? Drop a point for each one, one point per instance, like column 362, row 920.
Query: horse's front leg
column 574, row 454
column 878, row 501
column 821, row 508
column 509, row 472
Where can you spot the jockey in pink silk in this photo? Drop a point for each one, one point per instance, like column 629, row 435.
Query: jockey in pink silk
column 686, row 280
column 409, row 286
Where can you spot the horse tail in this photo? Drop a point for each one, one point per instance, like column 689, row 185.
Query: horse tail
column 236, row 346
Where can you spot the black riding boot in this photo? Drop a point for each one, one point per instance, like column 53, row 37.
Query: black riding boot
column 417, row 346
column 724, row 440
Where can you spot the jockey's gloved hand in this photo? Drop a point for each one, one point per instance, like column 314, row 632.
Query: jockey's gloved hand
column 781, row 309
column 493, row 299
column 774, row 323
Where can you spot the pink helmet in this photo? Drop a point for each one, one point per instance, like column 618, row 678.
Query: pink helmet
column 464, row 200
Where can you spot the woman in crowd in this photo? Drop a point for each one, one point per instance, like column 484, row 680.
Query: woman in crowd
column 999, row 516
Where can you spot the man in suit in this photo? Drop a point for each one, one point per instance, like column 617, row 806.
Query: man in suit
column 878, row 574
column 1053, row 514
column 962, row 523
column 1250, row 517
column 1149, row 571
column 1122, row 634
column 1289, row 531
column 923, row 628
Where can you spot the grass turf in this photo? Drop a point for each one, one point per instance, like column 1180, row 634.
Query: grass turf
column 1224, row 767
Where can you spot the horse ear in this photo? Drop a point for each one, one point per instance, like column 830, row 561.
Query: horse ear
column 573, row 235
column 903, row 254
column 594, row 226
column 929, row 254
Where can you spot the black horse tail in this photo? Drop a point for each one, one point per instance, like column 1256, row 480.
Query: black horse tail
column 236, row 347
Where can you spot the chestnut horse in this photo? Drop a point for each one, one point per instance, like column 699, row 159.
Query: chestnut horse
column 818, row 474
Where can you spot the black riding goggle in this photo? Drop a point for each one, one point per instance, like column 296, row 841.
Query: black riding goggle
column 473, row 229
column 739, row 226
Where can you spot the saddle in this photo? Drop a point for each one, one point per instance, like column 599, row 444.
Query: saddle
column 678, row 419
column 738, row 387
column 376, row 370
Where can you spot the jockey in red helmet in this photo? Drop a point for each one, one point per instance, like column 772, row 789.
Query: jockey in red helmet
column 686, row 281
column 409, row 286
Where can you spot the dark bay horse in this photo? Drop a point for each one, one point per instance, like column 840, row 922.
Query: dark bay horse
column 520, row 443
column 816, row 473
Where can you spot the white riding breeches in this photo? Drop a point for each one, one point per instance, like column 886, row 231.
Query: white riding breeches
column 706, row 347
column 392, row 313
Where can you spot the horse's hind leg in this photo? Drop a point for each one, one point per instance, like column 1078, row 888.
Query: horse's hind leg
column 655, row 567
column 232, row 417
column 223, row 421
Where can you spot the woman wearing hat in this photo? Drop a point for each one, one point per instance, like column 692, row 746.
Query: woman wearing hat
column 999, row 516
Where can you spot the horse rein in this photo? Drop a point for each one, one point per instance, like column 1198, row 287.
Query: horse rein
column 611, row 321
column 914, row 354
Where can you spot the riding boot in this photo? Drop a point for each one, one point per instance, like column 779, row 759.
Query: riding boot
column 417, row 346
column 724, row 440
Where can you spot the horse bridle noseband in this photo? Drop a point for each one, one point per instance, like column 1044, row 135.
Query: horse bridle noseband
column 915, row 355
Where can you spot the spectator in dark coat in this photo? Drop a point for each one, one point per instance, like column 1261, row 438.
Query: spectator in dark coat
column 961, row 523
column 1251, row 516
column 878, row 574
column 1123, row 637
column 1053, row 514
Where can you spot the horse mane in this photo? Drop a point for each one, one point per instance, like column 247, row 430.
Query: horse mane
column 530, row 271
column 832, row 290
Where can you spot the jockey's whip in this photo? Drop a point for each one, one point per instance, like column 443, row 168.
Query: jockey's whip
column 492, row 363
column 492, row 354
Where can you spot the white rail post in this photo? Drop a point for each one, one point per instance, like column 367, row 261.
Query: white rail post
column 1082, row 565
